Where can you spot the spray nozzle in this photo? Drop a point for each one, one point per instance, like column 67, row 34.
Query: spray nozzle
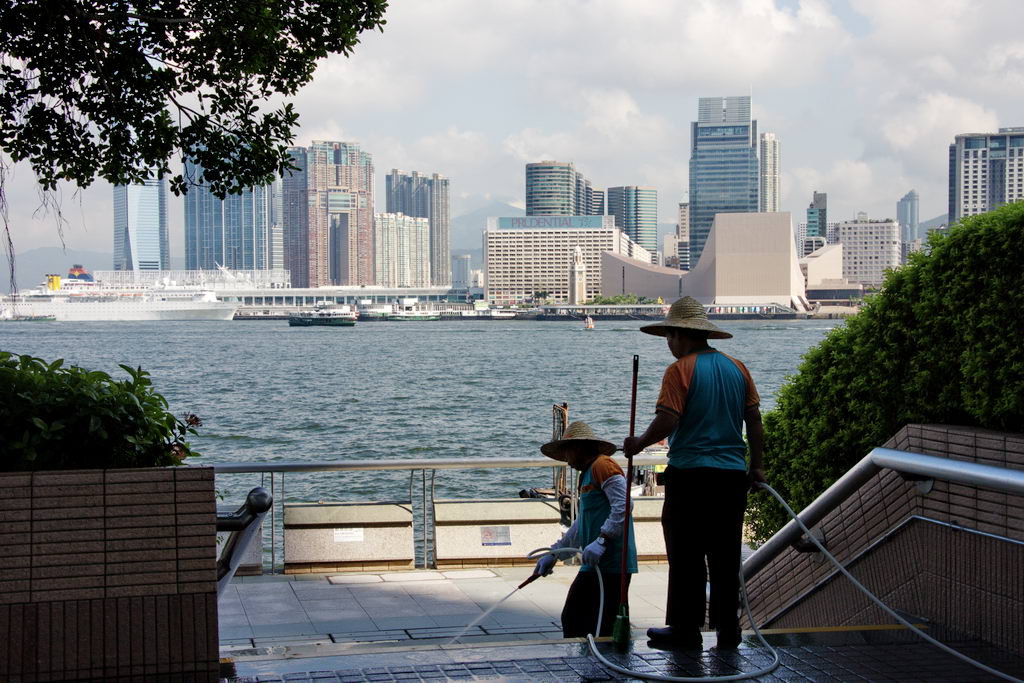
column 529, row 580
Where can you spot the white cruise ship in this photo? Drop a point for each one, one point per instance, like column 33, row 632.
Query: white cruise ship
column 80, row 299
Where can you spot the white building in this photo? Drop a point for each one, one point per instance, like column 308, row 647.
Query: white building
column 768, row 173
column 526, row 255
column 401, row 250
column 870, row 247
column 986, row 170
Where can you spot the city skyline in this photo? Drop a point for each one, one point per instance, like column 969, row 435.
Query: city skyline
column 898, row 89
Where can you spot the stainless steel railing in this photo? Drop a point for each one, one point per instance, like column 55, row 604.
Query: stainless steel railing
column 278, row 471
column 929, row 466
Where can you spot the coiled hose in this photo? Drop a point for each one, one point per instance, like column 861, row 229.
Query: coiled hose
column 565, row 553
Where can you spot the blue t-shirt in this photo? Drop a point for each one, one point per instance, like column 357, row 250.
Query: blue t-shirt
column 709, row 392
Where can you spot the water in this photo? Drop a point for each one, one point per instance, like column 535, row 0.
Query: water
column 270, row 393
column 454, row 639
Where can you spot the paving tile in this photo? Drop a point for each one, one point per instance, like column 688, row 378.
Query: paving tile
column 416, row 575
column 468, row 574
column 296, row 628
column 349, row 579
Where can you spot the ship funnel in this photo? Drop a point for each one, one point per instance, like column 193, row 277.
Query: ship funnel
column 53, row 282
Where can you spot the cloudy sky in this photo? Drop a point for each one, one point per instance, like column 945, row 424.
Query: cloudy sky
column 864, row 95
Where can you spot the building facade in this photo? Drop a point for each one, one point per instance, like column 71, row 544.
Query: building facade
column 402, row 250
column 140, row 226
column 817, row 216
column 295, row 217
column 723, row 165
column 907, row 216
column 870, row 247
column 461, row 269
column 769, row 160
column 339, row 184
column 414, row 194
column 527, row 255
column 636, row 213
column 986, row 171
column 556, row 188
column 683, row 237
column 238, row 232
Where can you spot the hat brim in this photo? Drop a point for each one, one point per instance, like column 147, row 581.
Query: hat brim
column 661, row 329
column 553, row 449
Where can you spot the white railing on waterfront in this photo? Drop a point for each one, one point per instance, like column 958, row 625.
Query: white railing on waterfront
column 278, row 470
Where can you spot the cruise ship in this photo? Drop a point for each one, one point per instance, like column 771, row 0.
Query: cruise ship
column 79, row 298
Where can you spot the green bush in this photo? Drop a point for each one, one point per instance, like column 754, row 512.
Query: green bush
column 942, row 342
column 54, row 418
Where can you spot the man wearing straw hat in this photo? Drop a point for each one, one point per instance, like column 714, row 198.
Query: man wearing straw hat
column 597, row 529
column 706, row 398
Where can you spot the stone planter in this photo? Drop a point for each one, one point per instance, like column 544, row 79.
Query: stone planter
column 108, row 575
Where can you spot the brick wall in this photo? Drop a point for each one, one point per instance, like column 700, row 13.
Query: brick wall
column 108, row 575
column 938, row 570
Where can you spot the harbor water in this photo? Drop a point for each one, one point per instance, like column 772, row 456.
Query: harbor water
column 270, row 393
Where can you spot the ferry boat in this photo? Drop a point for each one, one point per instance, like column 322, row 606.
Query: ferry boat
column 78, row 298
column 324, row 316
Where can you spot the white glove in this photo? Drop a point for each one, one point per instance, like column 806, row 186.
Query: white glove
column 592, row 553
column 545, row 565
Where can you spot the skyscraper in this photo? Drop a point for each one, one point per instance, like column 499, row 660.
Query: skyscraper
column 907, row 217
column 817, row 215
column 768, row 173
column 429, row 197
column 636, row 214
column 461, row 271
column 683, row 236
column 402, row 250
column 140, row 226
column 723, row 165
column 339, row 186
column 555, row 188
column 986, row 171
column 236, row 232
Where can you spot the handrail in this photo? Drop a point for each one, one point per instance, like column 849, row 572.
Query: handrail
column 404, row 464
column 933, row 467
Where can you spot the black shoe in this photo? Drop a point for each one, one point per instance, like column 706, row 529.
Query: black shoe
column 685, row 639
column 729, row 639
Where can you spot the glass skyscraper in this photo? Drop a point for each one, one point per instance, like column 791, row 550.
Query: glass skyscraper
column 636, row 214
column 238, row 232
column 556, row 188
column 907, row 216
column 723, row 165
column 140, row 226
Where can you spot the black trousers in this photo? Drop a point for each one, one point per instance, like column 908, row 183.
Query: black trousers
column 703, row 524
column 580, row 612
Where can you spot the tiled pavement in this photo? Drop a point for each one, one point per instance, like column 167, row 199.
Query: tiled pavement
column 848, row 656
column 271, row 610
column 398, row 627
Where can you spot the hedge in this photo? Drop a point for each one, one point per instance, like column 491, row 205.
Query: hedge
column 54, row 417
column 942, row 342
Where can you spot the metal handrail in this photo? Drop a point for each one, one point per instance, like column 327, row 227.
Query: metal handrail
column 402, row 464
column 409, row 465
column 933, row 467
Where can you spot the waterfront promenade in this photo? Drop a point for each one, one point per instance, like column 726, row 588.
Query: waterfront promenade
column 398, row 627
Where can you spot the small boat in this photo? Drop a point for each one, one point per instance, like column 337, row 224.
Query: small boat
column 588, row 323
column 324, row 316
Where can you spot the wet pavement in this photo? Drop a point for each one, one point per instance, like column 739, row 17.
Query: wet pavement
column 399, row 626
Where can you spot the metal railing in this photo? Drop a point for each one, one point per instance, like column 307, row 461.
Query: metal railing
column 916, row 464
column 278, row 471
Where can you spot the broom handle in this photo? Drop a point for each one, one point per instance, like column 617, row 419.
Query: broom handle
column 629, row 485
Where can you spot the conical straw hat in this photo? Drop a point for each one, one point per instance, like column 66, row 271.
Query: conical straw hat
column 687, row 313
column 577, row 431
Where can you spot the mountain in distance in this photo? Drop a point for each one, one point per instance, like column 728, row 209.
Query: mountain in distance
column 32, row 266
column 924, row 226
column 467, row 229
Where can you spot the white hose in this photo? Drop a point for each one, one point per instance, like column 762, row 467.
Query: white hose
column 564, row 553
column 881, row 605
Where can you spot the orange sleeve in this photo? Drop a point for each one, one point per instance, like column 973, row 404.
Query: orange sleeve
column 675, row 385
column 753, row 398
column 603, row 469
